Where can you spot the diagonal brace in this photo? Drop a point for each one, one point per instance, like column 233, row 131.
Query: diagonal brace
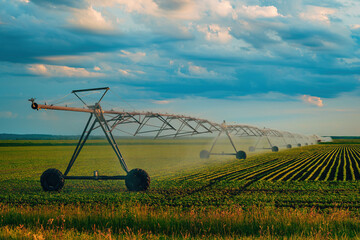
column 84, row 136
column 108, row 134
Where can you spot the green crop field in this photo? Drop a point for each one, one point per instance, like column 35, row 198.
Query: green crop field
column 310, row 192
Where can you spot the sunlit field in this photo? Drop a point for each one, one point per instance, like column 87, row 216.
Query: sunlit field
column 308, row 192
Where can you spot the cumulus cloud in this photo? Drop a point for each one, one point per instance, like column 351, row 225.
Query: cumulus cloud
column 172, row 9
column 317, row 14
column 221, row 8
column 198, row 70
column 124, row 72
column 214, row 32
column 135, row 57
column 141, row 6
column 312, row 100
column 256, row 12
column 269, row 96
column 130, row 73
column 39, row 69
column 65, row 58
column 91, row 20
column 61, row 71
column 161, row 102
column 8, row 114
column 257, row 51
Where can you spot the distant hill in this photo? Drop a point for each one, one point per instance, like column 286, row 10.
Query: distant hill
column 345, row 137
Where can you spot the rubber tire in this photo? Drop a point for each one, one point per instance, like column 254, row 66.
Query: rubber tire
column 288, row 146
column 275, row 149
column 137, row 180
column 52, row 180
column 204, row 154
column 241, row 155
column 306, row 144
column 299, row 145
column 251, row 149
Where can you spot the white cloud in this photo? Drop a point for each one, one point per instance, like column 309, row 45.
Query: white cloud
column 140, row 6
column 96, row 68
column 44, row 115
column 65, row 58
column 135, row 57
column 256, row 11
column 187, row 10
column 128, row 72
column 265, row 96
column 355, row 26
column 317, row 14
column 354, row 61
column 8, row 115
column 90, row 19
column 124, row 72
column 161, row 102
column 222, row 8
column 312, row 100
column 214, row 32
column 39, row 69
column 197, row 70
column 83, row 59
column 61, row 71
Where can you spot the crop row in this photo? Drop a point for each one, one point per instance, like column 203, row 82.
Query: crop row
column 318, row 163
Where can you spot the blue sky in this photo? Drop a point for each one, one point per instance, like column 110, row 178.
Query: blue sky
column 289, row 65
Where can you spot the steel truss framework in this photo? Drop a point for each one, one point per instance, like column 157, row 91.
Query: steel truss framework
column 160, row 125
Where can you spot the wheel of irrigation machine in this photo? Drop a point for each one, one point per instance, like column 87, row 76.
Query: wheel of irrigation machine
column 288, row 146
column 299, row 145
column 204, row 154
column 137, row 180
column 251, row 149
column 275, row 149
column 306, row 144
column 52, row 180
column 241, row 155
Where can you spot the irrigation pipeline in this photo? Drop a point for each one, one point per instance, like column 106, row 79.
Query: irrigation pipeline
column 187, row 125
column 134, row 113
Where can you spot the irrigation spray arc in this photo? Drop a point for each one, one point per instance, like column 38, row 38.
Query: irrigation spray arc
column 162, row 125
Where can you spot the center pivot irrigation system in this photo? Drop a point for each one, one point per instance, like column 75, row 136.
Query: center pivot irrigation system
column 162, row 125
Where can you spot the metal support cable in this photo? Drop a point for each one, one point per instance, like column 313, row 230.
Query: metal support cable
column 132, row 107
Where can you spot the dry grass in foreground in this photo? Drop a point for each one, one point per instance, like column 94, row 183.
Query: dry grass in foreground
column 144, row 222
